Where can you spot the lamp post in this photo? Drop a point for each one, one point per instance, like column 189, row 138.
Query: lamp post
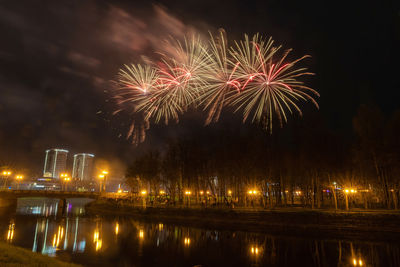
column 144, row 193
column 161, row 196
column 19, row 179
column 6, row 174
column 101, row 178
column 252, row 193
column 188, row 193
column 334, row 187
column 65, row 178
column 104, row 173
column 346, row 193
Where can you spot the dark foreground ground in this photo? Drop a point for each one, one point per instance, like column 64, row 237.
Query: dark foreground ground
column 364, row 225
column 16, row 256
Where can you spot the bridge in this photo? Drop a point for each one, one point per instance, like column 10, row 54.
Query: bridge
column 12, row 194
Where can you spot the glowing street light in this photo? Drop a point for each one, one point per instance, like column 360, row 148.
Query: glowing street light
column 252, row 192
column 188, row 193
column 229, row 192
column 144, row 193
column 348, row 191
column 6, row 174
column 19, row 179
column 101, row 178
column 65, row 178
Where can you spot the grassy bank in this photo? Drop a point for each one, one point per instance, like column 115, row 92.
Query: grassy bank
column 16, row 256
column 294, row 222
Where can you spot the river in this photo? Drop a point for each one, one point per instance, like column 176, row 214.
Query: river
column 127, row 241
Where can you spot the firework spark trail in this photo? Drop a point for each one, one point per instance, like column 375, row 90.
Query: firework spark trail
column 181, row 80
column 250, row 77
column 221, row 83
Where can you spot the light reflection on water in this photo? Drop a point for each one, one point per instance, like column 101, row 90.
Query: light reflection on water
column 38, row 225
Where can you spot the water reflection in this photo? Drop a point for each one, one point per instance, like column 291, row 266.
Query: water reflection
column 10, row 232
column 116, row 228
column 130, row 242
column 186, row 241
column 51, row 207
column 51, row 235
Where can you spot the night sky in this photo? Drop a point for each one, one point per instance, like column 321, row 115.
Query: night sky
column 57, row 60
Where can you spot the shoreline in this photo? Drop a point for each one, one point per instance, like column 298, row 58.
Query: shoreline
column 362, row 225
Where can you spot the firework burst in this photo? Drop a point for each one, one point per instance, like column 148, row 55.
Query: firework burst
column 136, row 84
column 270, row 87
column 251, row 76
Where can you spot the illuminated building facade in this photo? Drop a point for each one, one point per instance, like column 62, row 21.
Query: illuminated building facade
column 83, row 165
column 55, row 162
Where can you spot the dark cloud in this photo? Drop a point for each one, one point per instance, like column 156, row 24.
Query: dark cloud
column 57, row 61
column 57, row 58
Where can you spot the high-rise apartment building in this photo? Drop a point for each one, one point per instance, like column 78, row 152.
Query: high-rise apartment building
column 55, row 162
column 83, row 166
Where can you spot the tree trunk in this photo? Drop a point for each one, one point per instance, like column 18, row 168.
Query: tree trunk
column 312, row 193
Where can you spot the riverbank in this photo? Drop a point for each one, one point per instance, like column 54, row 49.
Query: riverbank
column 365, row 225
column 16, row 256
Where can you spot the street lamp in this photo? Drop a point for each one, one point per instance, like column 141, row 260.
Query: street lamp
column 144, row 193
column 18, row 178
column 252, row 193
column 104, row 177
column 65, row 178
column 188, row 193
column 101, row 178
column 348, row 191
column 6, row 174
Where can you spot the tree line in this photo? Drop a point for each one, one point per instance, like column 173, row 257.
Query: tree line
column 304, row 163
